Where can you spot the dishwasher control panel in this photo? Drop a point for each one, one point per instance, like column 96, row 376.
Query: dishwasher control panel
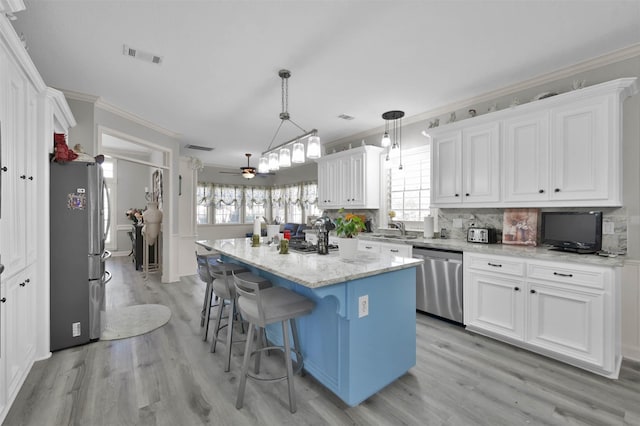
column 482, row 235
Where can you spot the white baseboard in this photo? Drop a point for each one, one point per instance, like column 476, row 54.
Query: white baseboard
column 631, row 352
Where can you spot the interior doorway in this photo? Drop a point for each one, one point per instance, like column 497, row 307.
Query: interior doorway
column 140, row 171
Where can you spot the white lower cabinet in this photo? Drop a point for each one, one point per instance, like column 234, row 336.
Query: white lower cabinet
column 567, row 311
column 395, row 249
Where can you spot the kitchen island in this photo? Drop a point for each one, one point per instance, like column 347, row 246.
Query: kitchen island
column 361, row 336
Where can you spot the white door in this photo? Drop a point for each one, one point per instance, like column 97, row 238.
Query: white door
column 481, row 164
column 446, row 169
column 526, row 158
column 495, row 304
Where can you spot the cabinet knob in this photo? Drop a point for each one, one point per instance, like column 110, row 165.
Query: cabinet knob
column 532, row 291
column 23, row 176
column 28, row 280
column 30, row 177
column 4, row 168
column 541, row 191
column 4, row 299
column 22, row 284
column 467, row 194
column 457, row 195
column 556, row 190
column 516, row 288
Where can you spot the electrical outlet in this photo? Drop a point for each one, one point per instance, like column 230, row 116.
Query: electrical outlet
column 363, row 306
column 607, row 228
column 75, row 329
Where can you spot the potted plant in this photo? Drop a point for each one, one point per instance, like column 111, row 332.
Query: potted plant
column 347, row 229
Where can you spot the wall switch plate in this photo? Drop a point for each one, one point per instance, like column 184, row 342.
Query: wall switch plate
column 75, row 329
column 607, row 228
column 363, row 306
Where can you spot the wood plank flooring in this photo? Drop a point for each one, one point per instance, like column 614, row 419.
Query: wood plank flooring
column 168, row 377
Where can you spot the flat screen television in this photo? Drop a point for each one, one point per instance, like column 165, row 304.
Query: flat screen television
column 579, row 232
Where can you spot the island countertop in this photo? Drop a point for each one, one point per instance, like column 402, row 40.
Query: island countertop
column 310, row 270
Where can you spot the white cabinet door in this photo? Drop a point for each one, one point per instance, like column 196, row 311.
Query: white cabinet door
column 526, row 158
column 481, row 164
column 328, row 183
column 446, row 172
column 495, row 303
column 402, row 250
column 567, row 321
column 580, row 150
column 13, row 240
column 355, row 183
column 370, row 246
column 31, row 172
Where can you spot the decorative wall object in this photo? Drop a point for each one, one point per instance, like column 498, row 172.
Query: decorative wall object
column 520, row 226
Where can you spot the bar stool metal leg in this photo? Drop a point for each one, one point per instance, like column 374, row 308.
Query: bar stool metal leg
column 287, row 360
column 245, row 367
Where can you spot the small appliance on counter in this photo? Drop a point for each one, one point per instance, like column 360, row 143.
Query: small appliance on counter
column 482, row 235
column 323, row 225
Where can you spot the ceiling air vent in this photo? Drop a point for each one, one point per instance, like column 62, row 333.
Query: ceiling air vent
column 346, row 117
column 199, row 148
column 142, row 55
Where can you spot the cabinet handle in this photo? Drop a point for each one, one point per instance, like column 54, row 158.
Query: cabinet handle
column 30, row 177
column 23, row 176
column 4, row 168
column 394, row 250
column 532, row 291
column 556, row 190
column 541, row 191
column 22, row 284
column 4, row 299
column 516, row 288
column 563, row 275
column 495, row 265
column 368, row 247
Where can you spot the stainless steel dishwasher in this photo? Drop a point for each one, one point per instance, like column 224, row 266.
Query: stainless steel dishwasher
column 439, row 283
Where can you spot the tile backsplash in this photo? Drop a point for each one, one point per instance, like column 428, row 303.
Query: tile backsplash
column 464, row 219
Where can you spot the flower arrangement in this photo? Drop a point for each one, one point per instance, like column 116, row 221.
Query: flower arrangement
column 349, row 226
column 134, row 214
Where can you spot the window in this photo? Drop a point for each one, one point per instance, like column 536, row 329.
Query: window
column 218, row 204
column 410, row 188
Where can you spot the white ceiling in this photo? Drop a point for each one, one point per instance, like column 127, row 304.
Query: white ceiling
column 218, row 84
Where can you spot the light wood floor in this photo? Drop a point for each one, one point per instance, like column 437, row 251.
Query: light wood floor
column 168, row 377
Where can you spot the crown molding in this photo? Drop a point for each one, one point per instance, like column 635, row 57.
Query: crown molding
column 16, row 49
column 613, row 57
column 11, row 6
column 60, row 107
column 100, row 103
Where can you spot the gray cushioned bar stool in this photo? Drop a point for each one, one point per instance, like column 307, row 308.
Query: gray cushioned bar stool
column 203, row 272
column 223, row 288
column 262, row 307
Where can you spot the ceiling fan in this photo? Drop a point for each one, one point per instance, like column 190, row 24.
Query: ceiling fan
column 247, row 171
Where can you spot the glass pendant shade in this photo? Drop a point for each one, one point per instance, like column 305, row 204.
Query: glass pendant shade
column 386, row 140
column 263, row 165
column 297, row 156
column 285, row 158
column 387, row 163
column 313, row 147
column 273, row 161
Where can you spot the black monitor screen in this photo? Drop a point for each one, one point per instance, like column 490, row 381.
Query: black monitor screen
column 572, row 229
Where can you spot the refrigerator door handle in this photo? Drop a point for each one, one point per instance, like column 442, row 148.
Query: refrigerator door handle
column 106, row 192
column 108, row 275
column 105, row 255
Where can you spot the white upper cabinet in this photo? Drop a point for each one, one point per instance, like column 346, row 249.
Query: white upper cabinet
column 465, row 165
column 350, row 179
column 562, row 151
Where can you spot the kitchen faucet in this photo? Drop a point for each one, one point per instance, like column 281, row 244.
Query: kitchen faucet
column 400, row 226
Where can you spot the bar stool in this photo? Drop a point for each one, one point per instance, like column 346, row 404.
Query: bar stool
column 203, row 271
column 223, row 288
column 262, row 307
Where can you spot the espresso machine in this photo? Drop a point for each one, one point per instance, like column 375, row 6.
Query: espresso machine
column 323, row 225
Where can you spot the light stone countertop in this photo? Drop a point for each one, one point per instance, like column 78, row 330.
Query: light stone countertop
column 541, row 253
column 310, row 270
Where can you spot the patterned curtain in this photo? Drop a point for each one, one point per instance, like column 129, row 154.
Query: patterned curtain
column 256, row 194
column 277, row 196
column 292, row 194
column 205, row 193
column 227, row 194
column 309, row 193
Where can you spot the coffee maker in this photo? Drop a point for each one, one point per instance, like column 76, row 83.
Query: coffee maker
column 323, row 225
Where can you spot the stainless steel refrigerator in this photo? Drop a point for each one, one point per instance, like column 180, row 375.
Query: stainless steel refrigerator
column 79, row 226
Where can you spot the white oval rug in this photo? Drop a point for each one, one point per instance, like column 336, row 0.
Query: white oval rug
column 134, row 320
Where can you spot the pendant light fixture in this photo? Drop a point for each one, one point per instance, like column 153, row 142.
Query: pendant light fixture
column 248, row 172
column 280, row 156
column 393, row 136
